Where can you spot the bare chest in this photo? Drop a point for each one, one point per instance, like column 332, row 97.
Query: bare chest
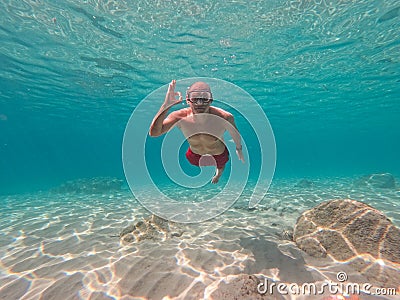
column 203, row 128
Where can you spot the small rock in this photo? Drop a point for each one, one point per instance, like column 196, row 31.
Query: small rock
column 383, row 181
column 97, row 185
column 152, row 228
column 305, row 183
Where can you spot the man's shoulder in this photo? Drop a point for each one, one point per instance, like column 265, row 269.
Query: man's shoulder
column 220, row 112
column 180, row 113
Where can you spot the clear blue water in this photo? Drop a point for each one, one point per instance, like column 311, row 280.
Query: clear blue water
column 326, row 74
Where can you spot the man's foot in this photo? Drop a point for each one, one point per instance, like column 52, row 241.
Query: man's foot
column 215, row 179
column 217, row 175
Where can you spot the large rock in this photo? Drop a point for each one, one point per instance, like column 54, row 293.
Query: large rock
column 352, row 232
column 383, row 181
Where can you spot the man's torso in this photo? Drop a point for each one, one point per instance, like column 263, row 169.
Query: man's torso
column 204, row 132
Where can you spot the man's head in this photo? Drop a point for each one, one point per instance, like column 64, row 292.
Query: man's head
column 199, row 97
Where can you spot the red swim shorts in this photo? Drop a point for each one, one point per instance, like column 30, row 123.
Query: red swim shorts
column 220, row 159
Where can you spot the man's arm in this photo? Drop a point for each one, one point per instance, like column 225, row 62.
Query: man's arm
column 161, row 123
column 234, row 132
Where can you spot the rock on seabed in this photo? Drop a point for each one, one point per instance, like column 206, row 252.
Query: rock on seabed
column 353, row 232
column 383, row 181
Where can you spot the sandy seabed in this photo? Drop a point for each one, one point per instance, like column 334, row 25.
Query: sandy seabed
column 67, row 246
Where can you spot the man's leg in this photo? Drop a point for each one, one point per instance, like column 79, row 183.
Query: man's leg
column 218, row 174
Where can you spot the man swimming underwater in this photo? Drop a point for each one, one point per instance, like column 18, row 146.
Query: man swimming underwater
column 203, row 126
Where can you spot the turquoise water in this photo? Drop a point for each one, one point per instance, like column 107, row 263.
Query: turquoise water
column 326, row 74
